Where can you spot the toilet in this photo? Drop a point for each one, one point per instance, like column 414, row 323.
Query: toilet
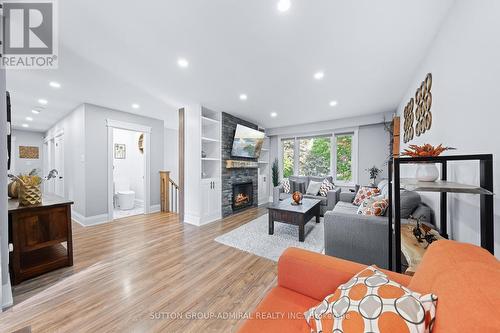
column 125, row 198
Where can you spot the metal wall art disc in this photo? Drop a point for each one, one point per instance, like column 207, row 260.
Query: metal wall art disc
column 422, row 117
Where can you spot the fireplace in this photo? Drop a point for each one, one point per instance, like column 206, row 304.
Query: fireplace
column 242, row 195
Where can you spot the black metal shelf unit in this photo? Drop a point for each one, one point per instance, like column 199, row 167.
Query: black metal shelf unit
column 485, row 191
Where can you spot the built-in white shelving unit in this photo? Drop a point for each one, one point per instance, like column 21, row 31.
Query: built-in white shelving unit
column 264, row 173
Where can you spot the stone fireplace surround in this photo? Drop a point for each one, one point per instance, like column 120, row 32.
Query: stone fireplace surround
column 235, row 176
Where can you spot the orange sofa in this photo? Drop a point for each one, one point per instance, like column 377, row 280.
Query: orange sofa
column 466, row 279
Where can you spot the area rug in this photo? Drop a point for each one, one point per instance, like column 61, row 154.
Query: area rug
column 253, row 237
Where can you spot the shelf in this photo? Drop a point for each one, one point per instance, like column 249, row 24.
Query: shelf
column 209, row 139
column 210, row 121
column 210, row 159
column 442, row 186
column 51, row 256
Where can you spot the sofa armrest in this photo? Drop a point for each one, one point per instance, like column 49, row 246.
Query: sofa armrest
column 333, row 196
column 316, row 275
column 347, row 196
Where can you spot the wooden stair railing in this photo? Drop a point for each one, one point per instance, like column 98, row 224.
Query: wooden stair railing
column 169, row 193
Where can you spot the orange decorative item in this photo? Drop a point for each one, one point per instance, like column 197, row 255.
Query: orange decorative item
column 297, row 198
column 426, row 150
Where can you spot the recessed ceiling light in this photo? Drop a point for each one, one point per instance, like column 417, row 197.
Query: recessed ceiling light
column 333, row 103
column 135, row 106
column 35, row 111
column 25, row 125
column 319, row 75
column 54, row 84
column 29, row 118
column 183, row 63
column 243, row 97
column 284, row 5
column 274, row 114
column 42, row 101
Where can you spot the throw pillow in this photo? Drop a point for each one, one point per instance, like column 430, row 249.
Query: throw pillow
column 365, row 192
column 370, row 302
column 326, row 186
column 376, row 207
column 286, row 185
column 297, row 186
column 313, row 187
column 364, row 204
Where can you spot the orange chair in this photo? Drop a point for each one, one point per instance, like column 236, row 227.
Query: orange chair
column 466, row 279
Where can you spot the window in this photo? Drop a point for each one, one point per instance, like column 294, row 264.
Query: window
column 343, row 147
column 314, row 156
column 288, row 157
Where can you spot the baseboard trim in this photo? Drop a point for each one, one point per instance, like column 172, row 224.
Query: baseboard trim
column 154, row 208
column 87, row 221
column 7, row 299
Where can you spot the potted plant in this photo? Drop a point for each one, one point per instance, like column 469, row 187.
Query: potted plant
column 426, row 172
column 29, row 192
column 276, row 180
column 373, row 172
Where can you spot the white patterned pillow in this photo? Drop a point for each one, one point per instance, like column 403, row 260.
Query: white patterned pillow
column 286, row 185
column 325, row 187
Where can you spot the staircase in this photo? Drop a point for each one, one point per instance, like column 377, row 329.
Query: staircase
column 169, row 193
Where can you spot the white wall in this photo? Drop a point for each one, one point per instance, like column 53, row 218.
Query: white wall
column 26, row 138
column 465, row 64
column 74, row 156
column 171, row 162
column 131, row 168
column 96, row 155
column 373, row 150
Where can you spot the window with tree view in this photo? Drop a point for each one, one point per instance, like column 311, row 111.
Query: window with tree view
column 314, row 156
column 288, row 157
column 343, row 144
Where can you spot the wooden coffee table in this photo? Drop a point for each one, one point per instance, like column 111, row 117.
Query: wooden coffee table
column 299, row 215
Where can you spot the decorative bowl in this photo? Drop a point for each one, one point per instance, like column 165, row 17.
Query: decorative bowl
column 297, row 198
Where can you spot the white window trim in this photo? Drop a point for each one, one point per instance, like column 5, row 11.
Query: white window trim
column 354, row 156
column 333, row 160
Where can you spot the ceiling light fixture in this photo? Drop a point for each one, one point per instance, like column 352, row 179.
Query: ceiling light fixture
column 35, row 111
column 25, row 125
column 54, row 84
column 42, row 101
column 333, row 103
column 29, row 118
column 319, row 75
column 182, row 63
column 274, row 114
column 284, row 5
column 135, row 106
column 243, row 97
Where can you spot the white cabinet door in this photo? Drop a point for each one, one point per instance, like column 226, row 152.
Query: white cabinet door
column 210, row 200
column 206, row 192
column 215, row 200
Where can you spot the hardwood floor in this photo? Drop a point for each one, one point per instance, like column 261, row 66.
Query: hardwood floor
column 148, row 273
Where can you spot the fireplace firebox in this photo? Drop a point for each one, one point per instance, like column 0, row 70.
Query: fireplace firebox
column 242, row 195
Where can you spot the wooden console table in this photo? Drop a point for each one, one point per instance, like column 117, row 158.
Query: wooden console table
column 37, row 234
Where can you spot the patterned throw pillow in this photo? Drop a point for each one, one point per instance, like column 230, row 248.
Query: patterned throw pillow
column 376, row 207
column 326, row 186
column 364, row 204
column 370, row 302
column 364, row 193
column 286, row 185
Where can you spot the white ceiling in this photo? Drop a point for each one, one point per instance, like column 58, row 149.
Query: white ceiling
column 115, row 53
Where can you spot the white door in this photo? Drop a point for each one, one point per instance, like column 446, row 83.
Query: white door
column 51, row 184
column 59, row 165
column 206, row 193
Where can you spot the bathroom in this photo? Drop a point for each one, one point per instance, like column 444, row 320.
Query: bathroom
column 128, row 173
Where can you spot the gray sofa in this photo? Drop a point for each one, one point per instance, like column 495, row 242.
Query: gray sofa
column 300, row 183
column 364, row 239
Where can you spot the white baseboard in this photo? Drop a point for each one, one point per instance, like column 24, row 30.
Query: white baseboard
column 87, row 221
column 7, row 299
column 154, row 208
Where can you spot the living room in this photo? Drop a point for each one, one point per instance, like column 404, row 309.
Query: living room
column 306, row 167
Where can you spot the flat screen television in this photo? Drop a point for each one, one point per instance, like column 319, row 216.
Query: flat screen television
column 247, row 142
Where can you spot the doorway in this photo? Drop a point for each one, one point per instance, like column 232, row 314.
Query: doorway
column 128, row 169
column 53, row 152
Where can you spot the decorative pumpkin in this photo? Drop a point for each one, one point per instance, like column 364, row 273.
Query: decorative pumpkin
column 297, row 197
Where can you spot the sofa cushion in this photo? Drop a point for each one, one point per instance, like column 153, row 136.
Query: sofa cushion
column 324, row 200
column 280, row 311
column 313, row 188
column 298, row 186
column 345, row 208
column 409, row 202
column 286, row 185
column 376, row 207
column 371, row 302
column 423, row 213
column 363, row 193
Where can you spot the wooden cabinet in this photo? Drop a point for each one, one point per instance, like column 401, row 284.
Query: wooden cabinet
column 41, row 237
